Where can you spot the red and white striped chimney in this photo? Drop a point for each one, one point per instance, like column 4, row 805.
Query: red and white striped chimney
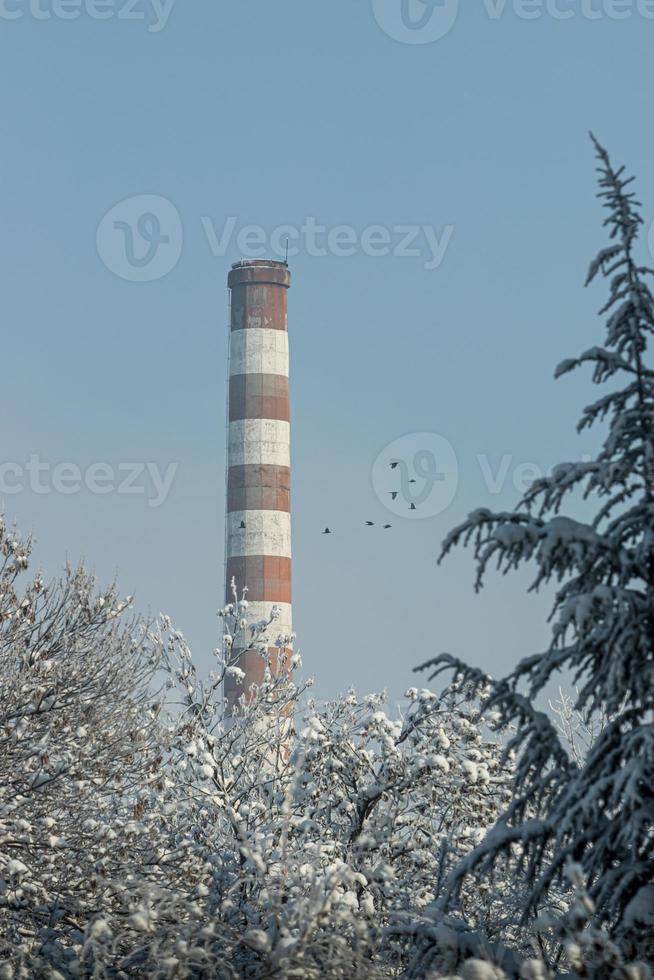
column 258, row 538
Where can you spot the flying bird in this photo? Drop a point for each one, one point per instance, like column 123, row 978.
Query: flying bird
column 370, row 523
column 395, row 463
column 393, row 494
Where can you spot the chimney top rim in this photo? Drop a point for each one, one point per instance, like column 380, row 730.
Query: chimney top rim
column 260, row 263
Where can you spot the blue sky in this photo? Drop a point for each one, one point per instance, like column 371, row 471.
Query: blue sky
column 288, row 112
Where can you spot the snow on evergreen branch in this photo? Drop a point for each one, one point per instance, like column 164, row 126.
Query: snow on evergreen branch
column 600, row 812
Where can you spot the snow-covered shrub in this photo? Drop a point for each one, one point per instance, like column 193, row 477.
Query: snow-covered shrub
column 318, row 836
column 143, row 833
column 78, row 755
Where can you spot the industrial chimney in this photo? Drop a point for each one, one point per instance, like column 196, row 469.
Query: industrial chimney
column 258, row 533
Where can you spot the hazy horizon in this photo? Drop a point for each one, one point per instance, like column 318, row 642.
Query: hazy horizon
column 257, row 123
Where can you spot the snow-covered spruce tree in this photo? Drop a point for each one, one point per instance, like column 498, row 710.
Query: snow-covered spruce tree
column 598, row 812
